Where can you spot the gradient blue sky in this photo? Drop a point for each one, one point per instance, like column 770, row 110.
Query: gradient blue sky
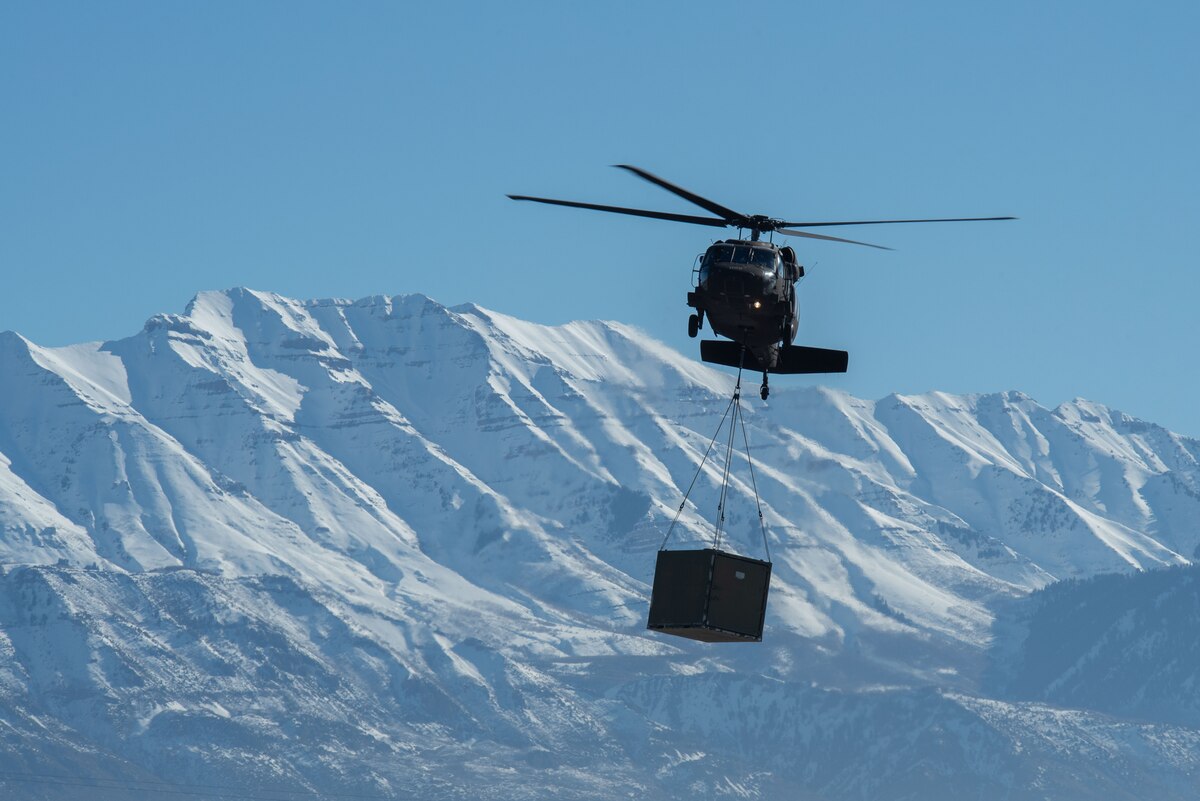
column 150, row 150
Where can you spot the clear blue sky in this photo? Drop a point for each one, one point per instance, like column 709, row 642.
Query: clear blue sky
column 150, row 150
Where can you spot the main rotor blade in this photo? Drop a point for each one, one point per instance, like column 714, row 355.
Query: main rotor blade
column 807, row 235
column 657, row 215
column 716, row 208
column 888, row 222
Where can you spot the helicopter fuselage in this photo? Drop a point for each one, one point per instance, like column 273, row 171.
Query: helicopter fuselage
column 746, row 290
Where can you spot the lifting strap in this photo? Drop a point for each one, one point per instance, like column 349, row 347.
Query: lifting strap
column 736, row 420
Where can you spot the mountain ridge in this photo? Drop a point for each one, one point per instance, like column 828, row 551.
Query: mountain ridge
column 476, row 500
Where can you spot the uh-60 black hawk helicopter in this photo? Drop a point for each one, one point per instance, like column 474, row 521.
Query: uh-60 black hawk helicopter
column 747, row 287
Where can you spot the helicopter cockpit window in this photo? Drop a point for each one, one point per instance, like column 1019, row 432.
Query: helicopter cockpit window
column 759, row 257
column 719, row 254
column 741, row 254
column 767, row 259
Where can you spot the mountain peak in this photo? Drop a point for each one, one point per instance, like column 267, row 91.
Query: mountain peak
column 9, row 339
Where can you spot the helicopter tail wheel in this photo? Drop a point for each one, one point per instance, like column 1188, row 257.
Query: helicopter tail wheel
column 764, row 391
column 693, row 326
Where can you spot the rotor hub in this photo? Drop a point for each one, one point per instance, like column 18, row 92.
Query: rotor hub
column 759, row 224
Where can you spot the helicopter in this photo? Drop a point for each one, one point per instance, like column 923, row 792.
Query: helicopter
column 746, row 288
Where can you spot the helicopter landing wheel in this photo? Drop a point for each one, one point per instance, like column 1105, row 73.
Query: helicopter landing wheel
column 764, row 390
column 693, row 326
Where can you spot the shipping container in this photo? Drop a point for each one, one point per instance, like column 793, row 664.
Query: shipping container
column 709, row 595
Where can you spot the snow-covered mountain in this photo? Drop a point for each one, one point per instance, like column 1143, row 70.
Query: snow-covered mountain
column 391, row 548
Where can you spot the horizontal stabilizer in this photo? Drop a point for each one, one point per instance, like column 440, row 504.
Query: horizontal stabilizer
column 729, row 354
column 800, row 359
column 793, row 359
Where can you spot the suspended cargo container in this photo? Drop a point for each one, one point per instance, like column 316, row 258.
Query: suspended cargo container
column 709, row 595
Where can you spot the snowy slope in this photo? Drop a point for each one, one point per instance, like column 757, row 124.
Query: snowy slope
column 430, row 532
